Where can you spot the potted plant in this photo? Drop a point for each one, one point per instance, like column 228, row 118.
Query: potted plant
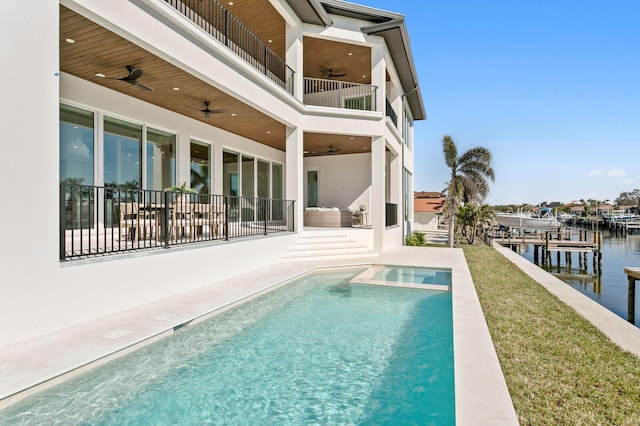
column 358, row 214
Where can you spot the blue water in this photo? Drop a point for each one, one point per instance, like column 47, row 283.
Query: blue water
column 317, row 351
column 403, row 274
column 609, row 287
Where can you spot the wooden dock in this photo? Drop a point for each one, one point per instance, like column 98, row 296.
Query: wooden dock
column 559, row 241
column 633, row 274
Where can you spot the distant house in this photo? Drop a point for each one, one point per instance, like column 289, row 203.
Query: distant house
column 427, row 209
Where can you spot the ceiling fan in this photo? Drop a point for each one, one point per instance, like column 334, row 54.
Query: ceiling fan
column 134, row 74
column 207, row 112
column 333, row 149
column 328, row 72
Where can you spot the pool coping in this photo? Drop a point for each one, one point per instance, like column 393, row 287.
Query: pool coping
column 481, row 393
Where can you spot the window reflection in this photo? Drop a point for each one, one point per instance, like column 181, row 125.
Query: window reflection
column 122, row 154
column 76, row 146
column 200, row 168
column 161, row 159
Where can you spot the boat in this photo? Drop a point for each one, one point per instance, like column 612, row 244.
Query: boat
column 546, row 220
column 564, row 217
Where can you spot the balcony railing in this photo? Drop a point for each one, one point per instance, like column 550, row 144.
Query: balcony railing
column 221, row 24
column 391, row 113
column 96, row 220
column 391, row 214
column 339, row 94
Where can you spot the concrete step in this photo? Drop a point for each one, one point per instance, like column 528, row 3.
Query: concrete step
column 322, row 245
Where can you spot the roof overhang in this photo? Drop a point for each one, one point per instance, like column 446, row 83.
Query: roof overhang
column 311, row 12
column 397, row 39
column 390, row 26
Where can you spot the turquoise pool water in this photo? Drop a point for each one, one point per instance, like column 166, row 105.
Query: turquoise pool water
column 317, row 351
column 413, row 275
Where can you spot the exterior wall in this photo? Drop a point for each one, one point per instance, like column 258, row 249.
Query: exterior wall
column 344, row 181
column 29, row 164
column 425, row 221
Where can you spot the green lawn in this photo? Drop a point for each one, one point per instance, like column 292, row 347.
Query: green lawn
column 559, row 368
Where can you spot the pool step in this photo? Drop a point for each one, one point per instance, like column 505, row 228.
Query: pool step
column 319, row 246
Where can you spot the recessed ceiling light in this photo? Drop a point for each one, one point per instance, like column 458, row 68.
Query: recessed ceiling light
column 364, row 76
column 176, row 88
column 365, row 148
column 70, row 40
column 230, row 3
column 305, row 152
column 270, row 41
column 233, row 114
column 268, row 132
column 350, row 54
column 351, row 138
column 313, row 152
column 99, row 74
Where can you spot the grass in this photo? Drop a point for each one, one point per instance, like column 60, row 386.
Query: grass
column 559, row 368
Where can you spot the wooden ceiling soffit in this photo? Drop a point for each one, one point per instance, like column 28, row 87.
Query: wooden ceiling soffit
column 97, row 50
column 317, row 144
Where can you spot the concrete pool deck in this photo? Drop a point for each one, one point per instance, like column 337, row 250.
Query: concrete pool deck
column 482, row 397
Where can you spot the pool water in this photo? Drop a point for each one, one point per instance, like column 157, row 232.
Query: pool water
column 316, row 351
column 413, row 275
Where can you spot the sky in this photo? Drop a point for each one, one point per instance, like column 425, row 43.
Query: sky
column 550, row 87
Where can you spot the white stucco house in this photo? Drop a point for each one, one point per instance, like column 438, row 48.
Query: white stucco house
column 263, row 107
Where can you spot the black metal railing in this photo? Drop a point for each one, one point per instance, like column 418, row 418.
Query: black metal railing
column 97, row 220
column 339, row 94
column 221, row 24
column 391, row 214
column 391, row 113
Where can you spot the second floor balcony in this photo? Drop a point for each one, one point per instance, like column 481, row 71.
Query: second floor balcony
column 339, row 94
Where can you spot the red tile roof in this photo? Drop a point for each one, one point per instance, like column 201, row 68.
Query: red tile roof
column 428, row 205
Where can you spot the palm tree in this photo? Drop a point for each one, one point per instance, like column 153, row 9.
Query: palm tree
column 469, row 173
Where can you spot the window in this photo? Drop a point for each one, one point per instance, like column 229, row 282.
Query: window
column 77, row 166
column 407, row 198
column 276, row 183
column 76, row 146
column 161, row 160
column 407, row 127
column 122, row 154
column 230, row 173
column 200, row 168
column 263, row 179
column 247, row 177
column 312, row 188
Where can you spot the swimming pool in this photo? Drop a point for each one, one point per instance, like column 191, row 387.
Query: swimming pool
column 318, row 350
column 406, row 276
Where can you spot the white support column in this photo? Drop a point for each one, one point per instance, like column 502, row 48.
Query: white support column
column 378, row 192
column 294, row 57
column 294, row 173
column 378, row 75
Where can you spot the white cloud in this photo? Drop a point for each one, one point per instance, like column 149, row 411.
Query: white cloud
column 611, row 172
column 628, row 181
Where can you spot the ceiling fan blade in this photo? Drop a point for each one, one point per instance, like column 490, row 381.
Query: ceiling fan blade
column 142, row 86
column 218, row 111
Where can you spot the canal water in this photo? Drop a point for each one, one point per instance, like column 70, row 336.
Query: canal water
column 608, row 286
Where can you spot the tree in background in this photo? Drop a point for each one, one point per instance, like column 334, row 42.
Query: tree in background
column 469, row 174
column 473, row 220
column 631, row 198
